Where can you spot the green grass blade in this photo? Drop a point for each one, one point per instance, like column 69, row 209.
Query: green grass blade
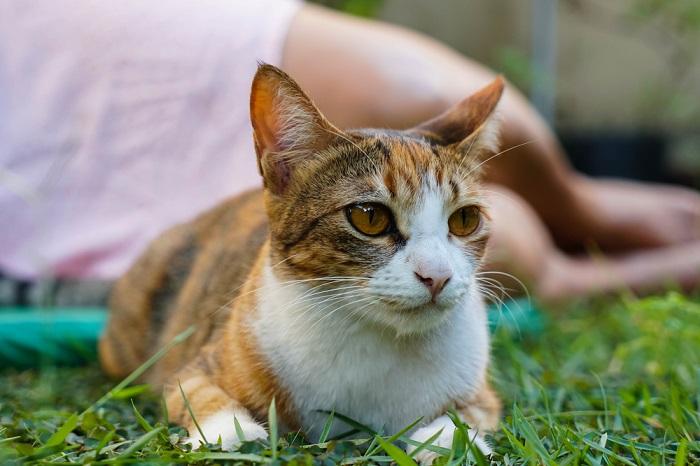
column 353, row 423
column 272, row 421
column 140, row 442
column 60, row 435
column 130, row 392
column 325, row 432
column 428, row 445
column 681, row 453
column 145, row 425
column 397, row 454
column 400, row 433
column 181, row 337
column 164, row 410
column 228, row 456
column 239, row 430
column 105, row 440
column 530, row 434
column 371, row 451
column 606, row 451
column 189, row 410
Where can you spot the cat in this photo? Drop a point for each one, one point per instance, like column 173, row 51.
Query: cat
column 346, row 283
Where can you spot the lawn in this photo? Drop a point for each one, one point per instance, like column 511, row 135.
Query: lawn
column 606, row 382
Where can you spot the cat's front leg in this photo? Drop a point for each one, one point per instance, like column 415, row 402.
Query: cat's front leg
column 222, row 425
column 446, row 427
column 480, row 411
column 216, row 413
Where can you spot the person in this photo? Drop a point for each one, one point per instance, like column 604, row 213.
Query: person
column 120, row 119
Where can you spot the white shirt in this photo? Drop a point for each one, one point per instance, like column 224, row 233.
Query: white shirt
column 121, row 118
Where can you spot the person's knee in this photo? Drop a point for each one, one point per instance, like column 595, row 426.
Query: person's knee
column 520, row 244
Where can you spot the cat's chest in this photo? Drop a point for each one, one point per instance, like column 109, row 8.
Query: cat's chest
column 371, row 376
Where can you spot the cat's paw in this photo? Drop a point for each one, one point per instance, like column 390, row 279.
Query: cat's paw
column 426, row 457
column 222, row 425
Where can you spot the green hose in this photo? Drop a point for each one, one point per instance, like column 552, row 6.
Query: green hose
column 33, row 337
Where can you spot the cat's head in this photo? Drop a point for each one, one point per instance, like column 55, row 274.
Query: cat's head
column 395, row 220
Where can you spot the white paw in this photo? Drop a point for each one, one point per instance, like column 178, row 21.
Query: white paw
column 222, row 425
column 426, row 457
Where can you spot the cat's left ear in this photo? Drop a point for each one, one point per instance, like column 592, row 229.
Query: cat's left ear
column 287, row 126
column 470, row 124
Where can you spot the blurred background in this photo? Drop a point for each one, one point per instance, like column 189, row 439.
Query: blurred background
column 617, row 80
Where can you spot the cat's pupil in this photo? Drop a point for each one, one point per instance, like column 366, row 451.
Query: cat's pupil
column 370, row 213
column 464, row 216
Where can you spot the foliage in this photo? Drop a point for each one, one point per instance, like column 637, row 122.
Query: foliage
column 609, row 382
column 672, row 29
column 364, row 8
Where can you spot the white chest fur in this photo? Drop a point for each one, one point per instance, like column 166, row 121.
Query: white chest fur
column 335, row 362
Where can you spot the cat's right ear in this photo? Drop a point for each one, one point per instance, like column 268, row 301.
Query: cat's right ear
column 470, row 123
column 287, row 126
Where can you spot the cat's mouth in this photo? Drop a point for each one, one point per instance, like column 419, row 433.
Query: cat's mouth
column 410, row 318
column 400, row 305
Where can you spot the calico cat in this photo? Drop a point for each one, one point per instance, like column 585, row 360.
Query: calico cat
column 347, row 283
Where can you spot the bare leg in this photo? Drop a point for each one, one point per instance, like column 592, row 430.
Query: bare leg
column 521, row 245
column 392, row 77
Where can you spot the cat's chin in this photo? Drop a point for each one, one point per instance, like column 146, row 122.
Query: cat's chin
column 413, row 319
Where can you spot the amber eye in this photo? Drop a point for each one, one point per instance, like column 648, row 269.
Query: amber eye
column 464, row 221
column 370, row 219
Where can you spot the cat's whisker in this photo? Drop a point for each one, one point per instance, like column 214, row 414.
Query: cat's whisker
column 288, row 258
column 486, row 287
column 286, row 284
column 491, row 295
column 311, row 294
column 493, row 283
column 238, row 288
column 313, row 307
column 311, row 291
column 326, row 316
column 497, row 292
column 323, row 314
column 512, row 277
column 367, row 308
column 326, row 294
column 502, row 307
column 345, row 138
column 493, row 286
column 498, row 154
column 466, row 155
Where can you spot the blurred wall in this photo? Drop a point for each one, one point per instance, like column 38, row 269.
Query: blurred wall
column 614, row 69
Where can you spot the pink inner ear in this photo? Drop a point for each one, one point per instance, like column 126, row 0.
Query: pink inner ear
column 284, row 119
column 270, row 131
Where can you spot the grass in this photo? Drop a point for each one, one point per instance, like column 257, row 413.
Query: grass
column 609, row 382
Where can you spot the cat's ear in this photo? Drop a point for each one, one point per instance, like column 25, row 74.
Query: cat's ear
column 471, row 123
column 287, row 126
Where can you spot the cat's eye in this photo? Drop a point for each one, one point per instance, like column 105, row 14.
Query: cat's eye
column 464, row 221
column 371, row 219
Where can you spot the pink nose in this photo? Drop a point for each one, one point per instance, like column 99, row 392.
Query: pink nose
column 435, row 283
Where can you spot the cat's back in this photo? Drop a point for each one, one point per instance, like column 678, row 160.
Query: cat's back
column 189, row 275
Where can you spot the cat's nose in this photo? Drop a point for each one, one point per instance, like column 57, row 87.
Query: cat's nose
column 435, row 282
